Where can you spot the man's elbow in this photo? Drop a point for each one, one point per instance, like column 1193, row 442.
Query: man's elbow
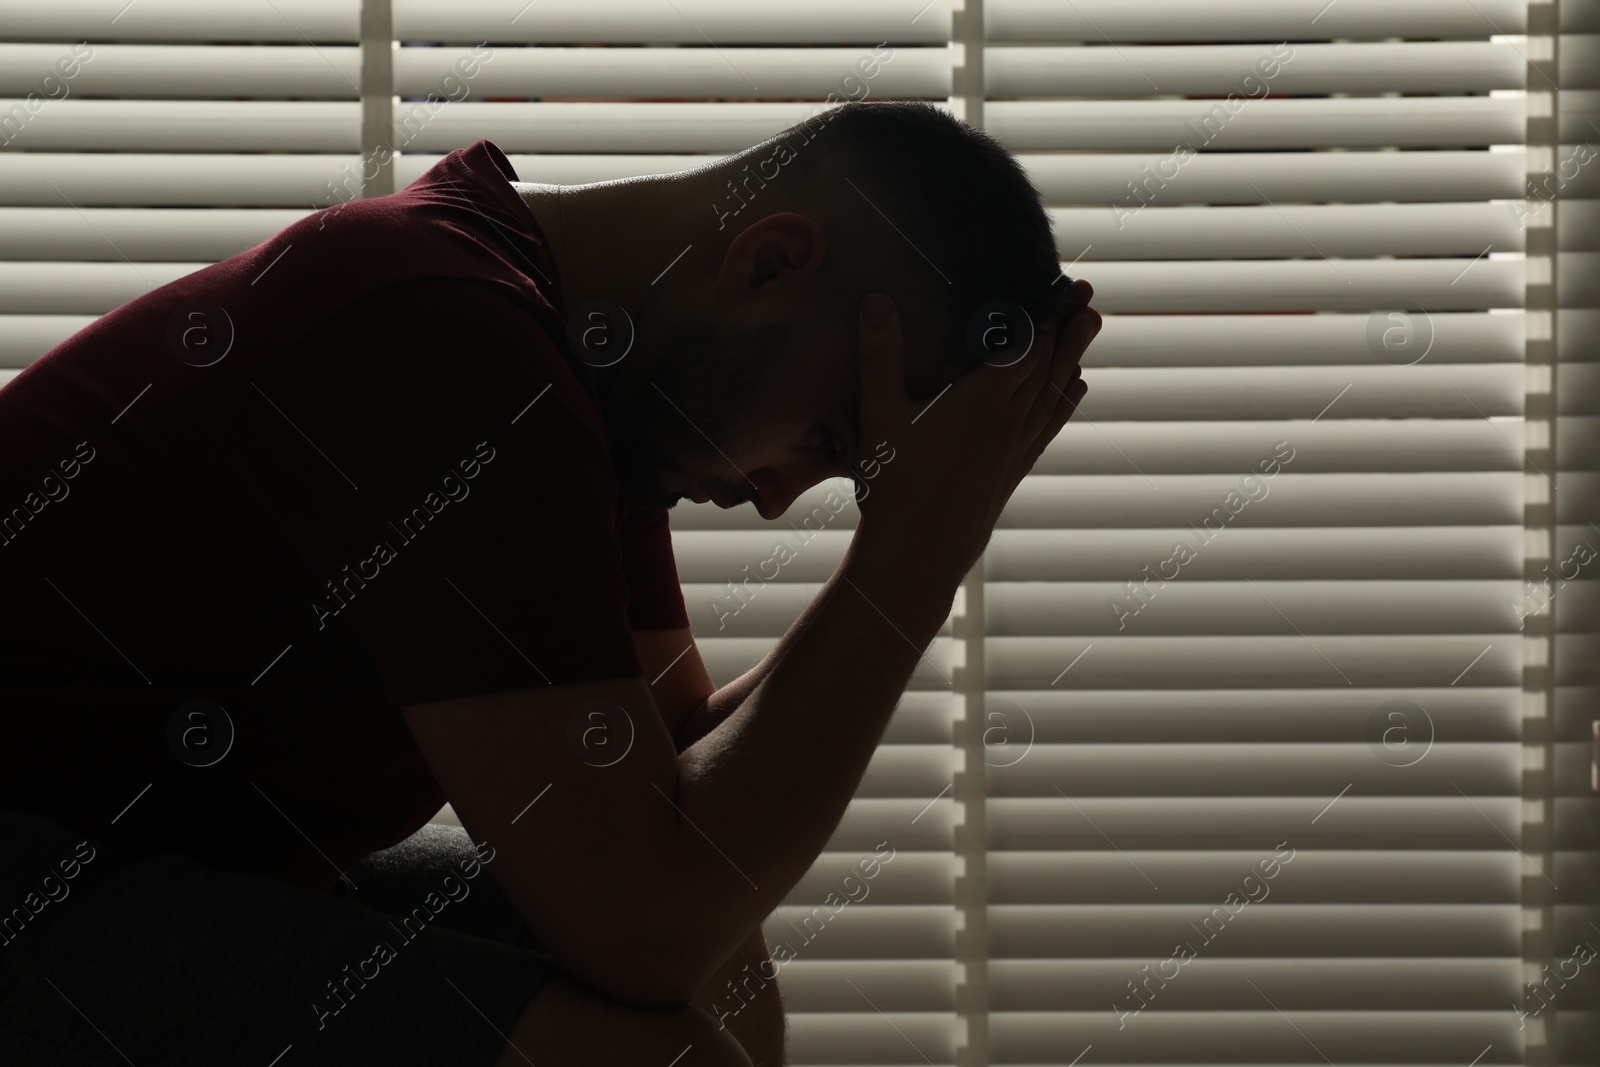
column 647, row 970
column 635, row 985
column 696, row 725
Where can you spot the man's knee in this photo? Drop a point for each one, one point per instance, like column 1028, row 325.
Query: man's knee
column 568, row 1024
column 745, row 999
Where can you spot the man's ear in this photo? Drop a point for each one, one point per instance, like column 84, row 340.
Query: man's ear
column 779, row 250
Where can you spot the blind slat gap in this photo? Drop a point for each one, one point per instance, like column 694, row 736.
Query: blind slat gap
column 967, row 85
column 1540, row 535
column 377, row 98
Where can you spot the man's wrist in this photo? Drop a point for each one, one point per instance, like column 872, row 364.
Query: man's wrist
column 911, row 578
column 917, row 559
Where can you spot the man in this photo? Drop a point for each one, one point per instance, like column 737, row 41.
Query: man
column 373, row 516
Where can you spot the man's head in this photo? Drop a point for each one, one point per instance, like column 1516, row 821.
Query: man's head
column 743, row 380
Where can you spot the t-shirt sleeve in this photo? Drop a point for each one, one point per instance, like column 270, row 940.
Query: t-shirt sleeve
column 442, row 474
column 655, row 597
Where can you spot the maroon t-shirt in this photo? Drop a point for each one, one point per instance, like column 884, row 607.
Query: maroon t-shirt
column 351, row 468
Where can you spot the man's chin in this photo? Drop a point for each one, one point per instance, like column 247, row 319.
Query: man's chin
column 649, row 497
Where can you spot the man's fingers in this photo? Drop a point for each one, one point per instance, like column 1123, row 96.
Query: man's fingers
column 1067, row 401
column 1066, row 349
column 1039, row 361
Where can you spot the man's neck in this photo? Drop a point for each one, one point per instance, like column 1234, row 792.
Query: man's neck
column 611, row 241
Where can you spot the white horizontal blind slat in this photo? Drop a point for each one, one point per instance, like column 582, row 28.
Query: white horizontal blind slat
column 691, row 22
column 1412, row 66
column 157, row 179
column 109, row 234
column 612, row 127
column 157, row 71
column 1322, row 552
column 1267, row 231
column 291, row 22
column 1366, row 122
column 1306, row 284
column 1101, row 178
column 784, row 73
column 1096, row 21
column 191, row 125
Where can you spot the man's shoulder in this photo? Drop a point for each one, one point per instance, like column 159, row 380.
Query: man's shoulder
column 426, row 340
column 464, row 320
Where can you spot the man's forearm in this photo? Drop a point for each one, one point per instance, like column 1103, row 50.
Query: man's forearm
column 725, row 701
column 768, row 785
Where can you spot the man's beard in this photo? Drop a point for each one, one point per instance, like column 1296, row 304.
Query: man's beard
column 660, row 411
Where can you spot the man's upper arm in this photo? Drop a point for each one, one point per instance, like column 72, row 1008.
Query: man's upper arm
column 451, row 500
column 443, row 478
column 670, row 662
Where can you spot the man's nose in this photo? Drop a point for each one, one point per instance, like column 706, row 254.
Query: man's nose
column 774, row 495
column 778, row 487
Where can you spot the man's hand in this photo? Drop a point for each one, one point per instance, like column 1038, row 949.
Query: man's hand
column 958, row 458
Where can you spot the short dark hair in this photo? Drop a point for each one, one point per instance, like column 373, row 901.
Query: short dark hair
column 972, row 227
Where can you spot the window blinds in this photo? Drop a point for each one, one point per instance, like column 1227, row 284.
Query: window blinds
column 1253, row 604
column 187, row 133
column 1312, row 374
